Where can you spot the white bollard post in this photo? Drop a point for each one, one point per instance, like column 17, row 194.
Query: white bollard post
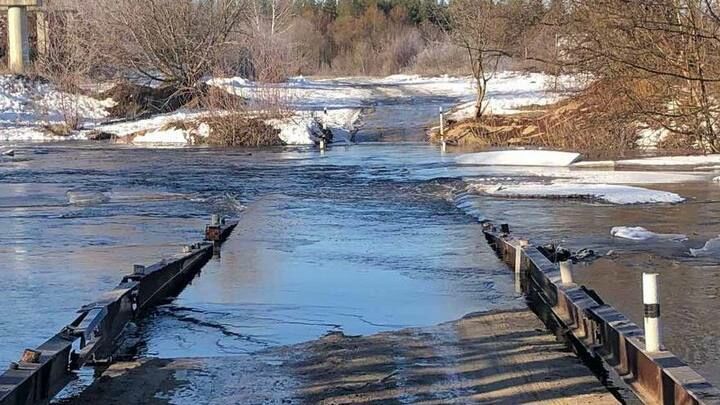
column 519, row 246
column 18, row 48
column 442, row 123
column 215, row 220
column 322, row 145
column 566, row 275
column 652, row 312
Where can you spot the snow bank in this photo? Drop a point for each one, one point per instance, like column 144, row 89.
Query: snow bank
column 639, row 234
column 170, row 136
column 304, row 127
column 519, row 158
column 614, row 194
column 26, row 105
column 509, row 92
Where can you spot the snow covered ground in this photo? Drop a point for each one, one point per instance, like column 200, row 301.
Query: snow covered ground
column 27, row 106
column 508, row 92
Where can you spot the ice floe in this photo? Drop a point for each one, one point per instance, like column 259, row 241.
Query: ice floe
column 711, row 248
column 520, row 158
column 610, row 193
column 639, row 233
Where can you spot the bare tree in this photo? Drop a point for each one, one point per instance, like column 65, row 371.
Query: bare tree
column 663, row 54
column 173, row 42
column 481, row 28
column 270, row 22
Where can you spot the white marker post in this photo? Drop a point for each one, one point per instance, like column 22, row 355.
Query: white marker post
column 519, row 246
column 652, row 312
column 442, row 131
column 566, row 275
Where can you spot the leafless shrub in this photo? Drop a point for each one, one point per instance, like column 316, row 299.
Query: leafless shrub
column 66, row 61
column 668, row 54
column 172, row 42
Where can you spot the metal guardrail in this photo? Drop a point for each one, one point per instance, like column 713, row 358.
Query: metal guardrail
column 600, row 330
column 93, row 335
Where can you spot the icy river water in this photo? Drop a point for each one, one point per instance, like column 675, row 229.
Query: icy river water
column 362, row 239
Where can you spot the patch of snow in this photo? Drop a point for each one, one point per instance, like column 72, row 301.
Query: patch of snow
column 695, row 160
column 519, row 158
column 304, row 127
column 27, row 105
column 170, row 136
column 125, row 128
column 594, row 164
column 711, row 248
column 614, row 194
column 649, row 138
column 639, row 233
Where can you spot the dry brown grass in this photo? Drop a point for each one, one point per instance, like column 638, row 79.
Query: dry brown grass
column 596, row 122
column 240, row 130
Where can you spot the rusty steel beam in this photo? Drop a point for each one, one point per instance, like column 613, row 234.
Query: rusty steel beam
column 600, row 331
column 96, row 330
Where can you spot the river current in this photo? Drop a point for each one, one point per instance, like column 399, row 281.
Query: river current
column 361, row 239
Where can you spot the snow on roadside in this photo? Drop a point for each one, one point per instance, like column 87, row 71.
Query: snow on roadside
column 610, row 193
column 27, row 105
column 519, row 158
column 638, row 233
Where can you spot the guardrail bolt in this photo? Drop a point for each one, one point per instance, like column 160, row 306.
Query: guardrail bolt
column 652, row 312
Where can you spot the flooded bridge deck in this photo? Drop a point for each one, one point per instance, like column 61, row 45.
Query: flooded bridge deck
column 491, row 357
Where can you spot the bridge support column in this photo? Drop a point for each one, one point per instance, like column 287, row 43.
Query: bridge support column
column 18, row 41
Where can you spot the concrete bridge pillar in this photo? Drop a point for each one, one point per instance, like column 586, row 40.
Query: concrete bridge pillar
column 18, row 50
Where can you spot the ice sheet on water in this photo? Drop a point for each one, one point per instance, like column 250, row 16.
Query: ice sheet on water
column 610, row 193
column 520, row 158
column 87, row 197
column 639, row 233
column 711, row 248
